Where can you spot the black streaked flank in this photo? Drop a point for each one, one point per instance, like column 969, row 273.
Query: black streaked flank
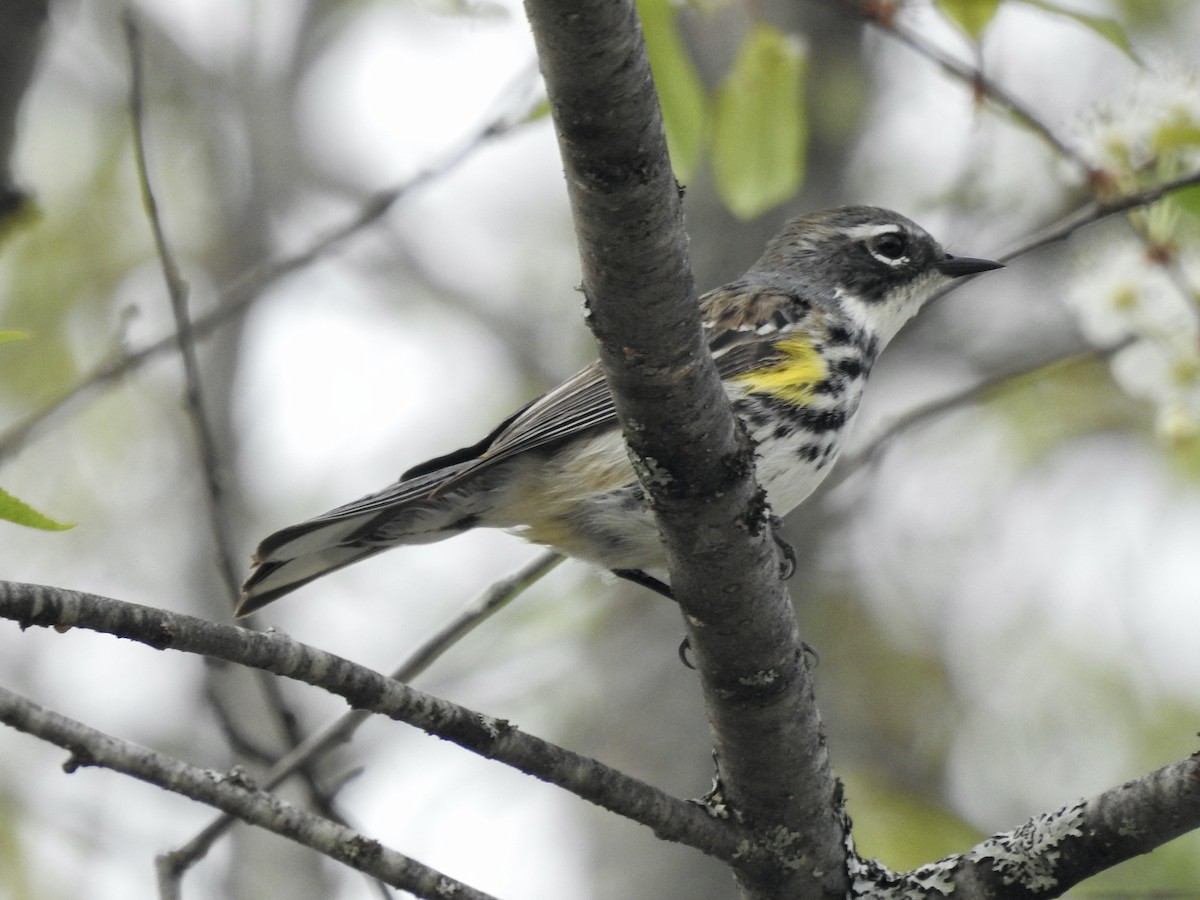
column 821, row 421
column 755, row 416
column 850, row 366
column 837, row 336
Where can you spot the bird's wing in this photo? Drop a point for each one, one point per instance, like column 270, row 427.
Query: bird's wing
column 743, row 325
column 583, row 402
column 580, row 403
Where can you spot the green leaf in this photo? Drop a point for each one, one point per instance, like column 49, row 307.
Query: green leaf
column 13, row 336
column 760, row 126
column 972, row 16
column 1179, row 134
column 1184, row 454
column 681, row 94
column 13, row 510
column 1108, row 28
column 1188, row 200
column 539, row 110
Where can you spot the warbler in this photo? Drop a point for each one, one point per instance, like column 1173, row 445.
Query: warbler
column 793, row 339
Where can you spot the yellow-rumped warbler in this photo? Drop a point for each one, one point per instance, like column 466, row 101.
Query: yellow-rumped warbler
column 793, row 340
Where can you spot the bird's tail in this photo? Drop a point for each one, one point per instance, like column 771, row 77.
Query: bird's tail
column 409, row 512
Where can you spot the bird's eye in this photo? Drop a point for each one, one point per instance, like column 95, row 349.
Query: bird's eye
column 889, row 248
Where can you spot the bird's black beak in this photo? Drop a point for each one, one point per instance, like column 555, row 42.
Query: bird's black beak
column 957, row 266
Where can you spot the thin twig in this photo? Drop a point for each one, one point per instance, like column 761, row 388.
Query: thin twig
column 971, row 75
column 205, row 437
column 232, row 792
column 341, row 729
column 185, row 340
column 1097, row 210
column 242, row 292
column 974, row 77
column 868, row 454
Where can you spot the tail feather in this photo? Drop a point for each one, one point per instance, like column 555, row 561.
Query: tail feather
column 270, row 580
column 298, row 554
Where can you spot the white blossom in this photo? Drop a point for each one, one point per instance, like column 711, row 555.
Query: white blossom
column 1147, row 291
column 1145, row 132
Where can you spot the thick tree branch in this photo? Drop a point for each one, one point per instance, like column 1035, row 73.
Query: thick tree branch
column 362, row 688
column 1053, row 852
column 233, row 793
column 694, row 461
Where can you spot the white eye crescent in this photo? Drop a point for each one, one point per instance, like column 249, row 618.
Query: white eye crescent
column 890, row 248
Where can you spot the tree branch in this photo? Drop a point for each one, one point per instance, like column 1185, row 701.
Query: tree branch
column 185, row 339
column 1097, row 210
column 868, row 454
column 208, row 453
column 884, row 19
column 362, row 688
column 231, row 792
column 1055, row 851
column 694, row 461
column 342, row 729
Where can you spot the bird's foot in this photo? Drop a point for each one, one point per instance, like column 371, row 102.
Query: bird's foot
column 637, row 576
column 787, row 553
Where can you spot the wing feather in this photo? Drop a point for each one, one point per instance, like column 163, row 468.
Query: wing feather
column 580, row 403
column 583, row 402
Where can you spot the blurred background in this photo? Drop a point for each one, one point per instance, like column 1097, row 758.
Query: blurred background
column 1005, row 596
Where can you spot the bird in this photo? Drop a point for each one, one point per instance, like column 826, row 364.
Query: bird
column 793, row 339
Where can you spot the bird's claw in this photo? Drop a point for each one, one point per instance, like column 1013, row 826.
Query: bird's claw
column 684, row 646
column 811, row 656
column 787, row 553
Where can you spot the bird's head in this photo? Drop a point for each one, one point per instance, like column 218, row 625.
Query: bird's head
column 877, row 266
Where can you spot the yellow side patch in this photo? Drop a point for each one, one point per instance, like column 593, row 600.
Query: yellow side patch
column 793, row 378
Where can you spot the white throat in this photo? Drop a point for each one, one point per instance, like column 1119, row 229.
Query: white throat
column 884, row 319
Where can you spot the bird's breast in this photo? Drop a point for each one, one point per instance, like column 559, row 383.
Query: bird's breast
column 798, row 415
